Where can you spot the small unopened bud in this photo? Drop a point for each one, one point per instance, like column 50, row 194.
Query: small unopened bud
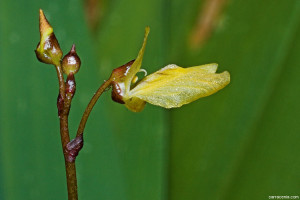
column 71, row 62
column 117, row 92
column 118, row 85
column 48, row 50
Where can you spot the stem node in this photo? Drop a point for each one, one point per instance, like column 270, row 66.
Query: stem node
column 73, row 148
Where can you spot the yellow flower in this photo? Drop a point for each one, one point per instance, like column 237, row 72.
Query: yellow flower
column 170, row 87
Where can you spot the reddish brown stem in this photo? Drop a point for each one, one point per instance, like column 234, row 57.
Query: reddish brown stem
column 71, row 180
column 70, row 166
column 60, row 81
column 90, row 106
column 63, row 110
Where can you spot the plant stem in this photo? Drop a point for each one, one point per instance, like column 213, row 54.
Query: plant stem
column 60, row 80
column 71, row 180
column 90, row 106
column 70, row 166
column 71, row 149
column 63, row 111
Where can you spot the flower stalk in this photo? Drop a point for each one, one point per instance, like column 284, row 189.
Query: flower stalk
column 91, row 105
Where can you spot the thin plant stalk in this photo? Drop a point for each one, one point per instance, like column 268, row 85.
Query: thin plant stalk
column 90, row 106
column 65, row 139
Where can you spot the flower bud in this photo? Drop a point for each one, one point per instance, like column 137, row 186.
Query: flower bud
column 118, row 86
column 117, row 93
column 71, row 62
column 48, row 50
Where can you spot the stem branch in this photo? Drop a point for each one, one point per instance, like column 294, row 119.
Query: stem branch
column 71, row 149
column 90, row 106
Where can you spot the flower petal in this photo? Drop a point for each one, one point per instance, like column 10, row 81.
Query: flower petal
column 135, row 104
column 135, row 67
column 173, row 86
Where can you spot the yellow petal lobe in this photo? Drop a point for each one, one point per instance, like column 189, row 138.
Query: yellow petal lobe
column 173, row 86
column 135, row 104
column 135, row 67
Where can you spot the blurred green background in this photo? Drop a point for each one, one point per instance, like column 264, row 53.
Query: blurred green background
column 240, row 143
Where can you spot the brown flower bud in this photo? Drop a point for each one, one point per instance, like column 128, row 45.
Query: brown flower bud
column 118, row 87
column 117, row 93
column 71, row 62
column 48, row 50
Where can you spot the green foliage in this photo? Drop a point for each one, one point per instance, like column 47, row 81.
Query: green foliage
column 240, row 143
